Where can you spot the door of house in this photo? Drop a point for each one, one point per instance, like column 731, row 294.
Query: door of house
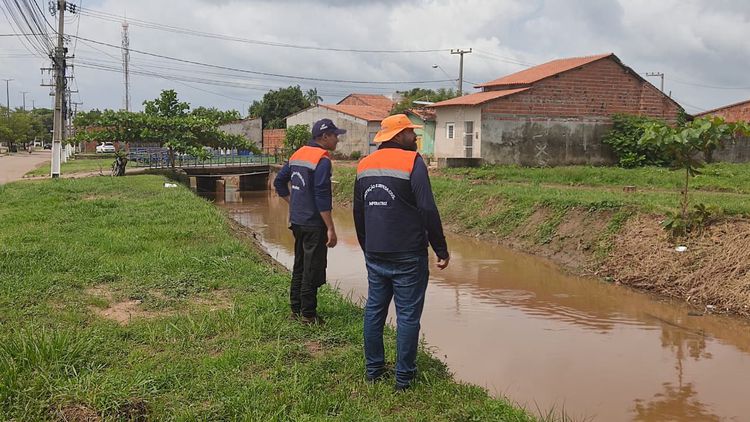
column 468, row 139
column 372, row 146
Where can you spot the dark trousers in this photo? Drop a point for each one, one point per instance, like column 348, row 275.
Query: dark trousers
column 309, row 271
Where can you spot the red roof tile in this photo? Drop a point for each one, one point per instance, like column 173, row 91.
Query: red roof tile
column 373, row 100
column 543, row 71
column 426, row 114
column 731, row 113
column 478, row 98
column 369, row 113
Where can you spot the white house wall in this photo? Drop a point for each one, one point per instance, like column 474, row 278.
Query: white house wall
column 452, row 148
column 252, row 129
column 357, row 130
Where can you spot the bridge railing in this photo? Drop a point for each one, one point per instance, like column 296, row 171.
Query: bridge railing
column 150, row 158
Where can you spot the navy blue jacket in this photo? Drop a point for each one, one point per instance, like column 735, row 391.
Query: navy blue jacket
column 309, row 172
column 394, row 209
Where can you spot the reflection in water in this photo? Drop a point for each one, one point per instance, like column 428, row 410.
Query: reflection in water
column 516, row 325
column 678, row 402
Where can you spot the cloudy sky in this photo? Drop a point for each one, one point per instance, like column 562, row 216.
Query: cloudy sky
column 700, row 45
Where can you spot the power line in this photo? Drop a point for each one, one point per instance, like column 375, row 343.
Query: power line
column 254, row 72
column 171, row 78
column 492, row 56
column 185, row 31
column 27, row 26
column 689, row 105
column 743, row 88
column 195, row 70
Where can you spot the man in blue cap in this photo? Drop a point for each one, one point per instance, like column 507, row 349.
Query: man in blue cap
column 310, row 203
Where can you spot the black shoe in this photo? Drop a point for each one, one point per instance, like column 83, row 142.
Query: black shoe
column 313, row 320
column 295, row 316
column 379, row 376
column 399, row 388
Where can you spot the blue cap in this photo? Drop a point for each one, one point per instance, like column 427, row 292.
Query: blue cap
column 325, row 126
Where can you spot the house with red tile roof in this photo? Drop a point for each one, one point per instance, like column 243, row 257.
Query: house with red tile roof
column 552, row 114
column 737, row 151
column 737, row 112
column 359, row 114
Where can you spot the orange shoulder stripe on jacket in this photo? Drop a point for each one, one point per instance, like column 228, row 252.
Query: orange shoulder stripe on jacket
column 387, row 162
column 308, row 157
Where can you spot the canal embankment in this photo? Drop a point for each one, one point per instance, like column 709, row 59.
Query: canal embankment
column 606, row 222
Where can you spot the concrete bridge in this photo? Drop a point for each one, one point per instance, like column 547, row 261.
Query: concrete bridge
column 227, row 181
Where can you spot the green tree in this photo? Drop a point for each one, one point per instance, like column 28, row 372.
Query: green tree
column 421, row 94
column 18, row 128
column 312, row 97
column 685, row 144
column 277, row 105
column 180, row 134
column 296, row 136
column 219, row 117
column 43, row 122
column 87, row 118
column 166, row 105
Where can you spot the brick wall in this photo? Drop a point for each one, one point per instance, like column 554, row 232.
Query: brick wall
column 601, row 88
column 732, row 113
column 273, row 138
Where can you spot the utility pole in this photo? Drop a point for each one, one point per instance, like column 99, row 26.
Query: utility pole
column 661, row 75
column 7, row 97
column 59, row 65
column 24, row 99
column 460, row 69
column 126, row 63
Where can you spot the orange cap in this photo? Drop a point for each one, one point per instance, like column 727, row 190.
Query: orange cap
column 392, row 126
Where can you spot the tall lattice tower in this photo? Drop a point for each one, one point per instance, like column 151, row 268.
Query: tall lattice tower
column 126, row 63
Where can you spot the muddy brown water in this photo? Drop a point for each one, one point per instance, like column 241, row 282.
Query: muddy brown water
column 518, row 326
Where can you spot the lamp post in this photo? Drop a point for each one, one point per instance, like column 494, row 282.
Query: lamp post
column 437, row 66
column 7, row 97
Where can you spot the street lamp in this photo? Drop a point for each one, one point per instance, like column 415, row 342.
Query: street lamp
column 436, row 66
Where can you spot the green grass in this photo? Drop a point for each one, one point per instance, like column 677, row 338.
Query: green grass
column 483, row 198
column 497, row 200
column 716, row 177
column 174, row 252
column 76, row 166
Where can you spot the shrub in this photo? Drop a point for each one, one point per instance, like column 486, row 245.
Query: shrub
column 624, row 137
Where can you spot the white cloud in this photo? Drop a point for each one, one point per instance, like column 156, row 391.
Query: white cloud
column 695, row 42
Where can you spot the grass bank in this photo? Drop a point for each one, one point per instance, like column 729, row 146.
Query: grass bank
column 76, row 166
column 124, row 300
column 720, row 177
column 500, row 198
column 581, row 218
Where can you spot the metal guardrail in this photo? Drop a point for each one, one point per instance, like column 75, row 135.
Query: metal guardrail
column 160, row 159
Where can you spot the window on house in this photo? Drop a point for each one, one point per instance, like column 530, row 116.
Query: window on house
column 450, row 130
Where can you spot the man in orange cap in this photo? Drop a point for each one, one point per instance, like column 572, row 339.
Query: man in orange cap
column 396, row 217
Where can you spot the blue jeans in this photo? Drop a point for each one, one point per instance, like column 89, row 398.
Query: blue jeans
column 402, row 276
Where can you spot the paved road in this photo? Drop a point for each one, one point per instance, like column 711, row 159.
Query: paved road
column 14, row 166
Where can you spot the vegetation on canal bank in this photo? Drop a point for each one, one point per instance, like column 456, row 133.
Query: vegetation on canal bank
column 587, row 220
column 125, row 300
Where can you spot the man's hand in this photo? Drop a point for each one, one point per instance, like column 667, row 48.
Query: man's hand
column 286, row 198
column 443, row 263
column 332, row 239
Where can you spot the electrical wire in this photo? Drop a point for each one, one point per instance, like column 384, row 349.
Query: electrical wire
column 97, row 14
column 254, row 72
